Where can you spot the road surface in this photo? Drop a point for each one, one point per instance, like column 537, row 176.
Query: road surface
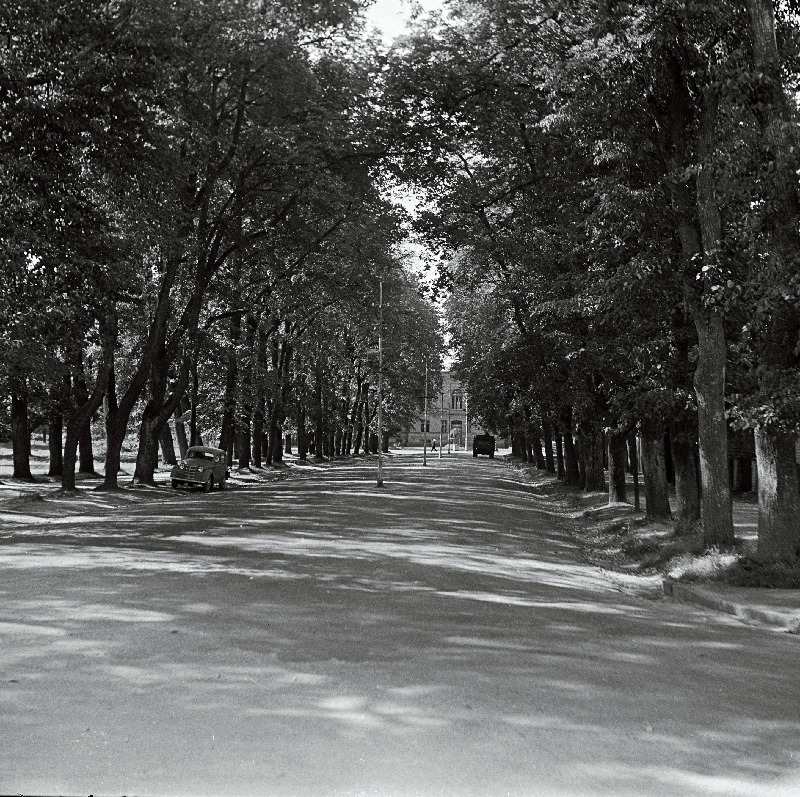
column 318, row 636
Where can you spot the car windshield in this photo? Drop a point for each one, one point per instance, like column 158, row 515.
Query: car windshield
column 198, row 455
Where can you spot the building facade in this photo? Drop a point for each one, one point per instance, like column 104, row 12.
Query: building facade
column 448, row 423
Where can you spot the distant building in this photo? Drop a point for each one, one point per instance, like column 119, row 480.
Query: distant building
column 448, row 418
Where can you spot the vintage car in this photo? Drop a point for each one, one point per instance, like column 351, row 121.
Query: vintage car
column 202, row 466
column 483, row 444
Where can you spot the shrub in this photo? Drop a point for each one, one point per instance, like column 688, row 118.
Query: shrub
column 753, row 572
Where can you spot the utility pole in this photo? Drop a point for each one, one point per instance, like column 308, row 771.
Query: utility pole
column 449, row 420
column 441, row 424
column 425, row 421
column 380, row 386
column 466, row 422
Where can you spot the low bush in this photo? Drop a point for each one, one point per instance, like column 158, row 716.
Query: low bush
column 749, row 571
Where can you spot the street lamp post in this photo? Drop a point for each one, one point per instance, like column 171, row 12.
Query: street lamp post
column 466, row 422
column 449, row 422
column 380, row 386
column 425, row 421
column 441, row 418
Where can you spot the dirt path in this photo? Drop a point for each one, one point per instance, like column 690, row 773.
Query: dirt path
column 318, row 636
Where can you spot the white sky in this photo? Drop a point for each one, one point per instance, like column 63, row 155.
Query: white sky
column 390, row 16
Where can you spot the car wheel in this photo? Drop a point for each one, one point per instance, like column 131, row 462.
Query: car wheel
column 174, row 484
column 209, row 485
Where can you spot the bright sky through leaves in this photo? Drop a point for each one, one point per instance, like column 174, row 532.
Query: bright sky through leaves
column 391, row 16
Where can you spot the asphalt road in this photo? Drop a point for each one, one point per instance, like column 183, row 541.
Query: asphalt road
column 319, row 636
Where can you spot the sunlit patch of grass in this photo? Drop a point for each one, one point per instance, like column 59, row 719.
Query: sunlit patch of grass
column 712, row 564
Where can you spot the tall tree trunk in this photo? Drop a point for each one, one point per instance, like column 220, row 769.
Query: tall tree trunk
column 655, row 472
column 81, row 391
column 167, row 445
column 247, row 371
column 709, row 378
column 83, row 414
column 231, row 376
column 258, row 434
column 778, row 499
column 595, row 478
column 777, row 475
column 156, row 413
column 319, row 416
column 119, row 410
column 195, row 438
column 716, row 510
column 633, row 459
column 617, row 456
column 302, row 437
column 259, row 414
column 358, row 416
column 571, row 464
column 20, row 431
column 536, row 445
column 180, row 426
column 547, row 434
column 337, row 441
column 703, row 245
column 687, row 493
column 56, row 426
column 55, row 429
column 560, row 471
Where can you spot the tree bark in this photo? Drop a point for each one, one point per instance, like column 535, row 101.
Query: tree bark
column 180, row 426
column 687, row 493
column 709, row 377
column 778, row 499
column 20, row 432
column 83, row 414
column 55, row 428
column 560, row 472
column 716, row 510
column 633, row 459
column 228, row 429
column 319, row 416
column 777, row 475
column 167, row 445
column 547, row 433
column 617, row 456
column 692, row 209
column 81, row 393
column 302, row 437
column 655, row 473
column 570, row 454
column 358, row 418
column 594, row 475
column 119, row 411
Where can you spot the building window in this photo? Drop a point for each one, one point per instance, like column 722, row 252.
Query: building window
column 457, row 400
column 425, row 426
column 444, row 427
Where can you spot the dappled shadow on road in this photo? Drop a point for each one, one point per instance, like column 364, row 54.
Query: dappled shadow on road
column 442, row 624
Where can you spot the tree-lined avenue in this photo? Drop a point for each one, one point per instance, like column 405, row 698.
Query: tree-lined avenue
column 319, row 636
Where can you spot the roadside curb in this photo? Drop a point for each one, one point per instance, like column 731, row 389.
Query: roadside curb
column 777, row 617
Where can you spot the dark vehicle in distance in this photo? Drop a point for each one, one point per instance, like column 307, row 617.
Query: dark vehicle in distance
column 202, row 466
column 483, row 444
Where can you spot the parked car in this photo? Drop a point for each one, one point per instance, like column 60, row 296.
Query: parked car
column 483, row 444
column 202, row 466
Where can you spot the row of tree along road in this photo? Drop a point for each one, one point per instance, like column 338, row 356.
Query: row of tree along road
column 194, row 224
